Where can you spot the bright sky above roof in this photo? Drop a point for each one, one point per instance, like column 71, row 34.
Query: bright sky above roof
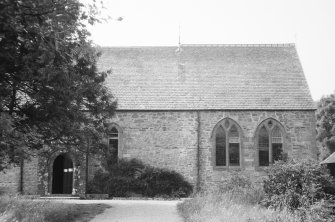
column 310, row 24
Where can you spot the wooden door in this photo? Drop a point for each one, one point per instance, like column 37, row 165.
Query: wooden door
column 67, row 175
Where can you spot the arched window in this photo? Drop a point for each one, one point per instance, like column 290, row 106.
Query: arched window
column 270, row 142
column 113, row 143
column 227, row 144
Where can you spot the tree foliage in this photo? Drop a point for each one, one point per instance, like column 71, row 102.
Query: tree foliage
column 50, row 88
column 326, row 122
column 302, row 187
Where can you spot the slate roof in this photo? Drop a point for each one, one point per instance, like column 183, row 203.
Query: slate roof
column 207, row 77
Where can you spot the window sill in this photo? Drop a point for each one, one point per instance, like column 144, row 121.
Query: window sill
column 226, row 168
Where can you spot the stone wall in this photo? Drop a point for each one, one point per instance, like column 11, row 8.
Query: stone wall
column 30, row 176
column 161, row 139
column 169, row 139
column 299, row 140
column 10, row 180
column 45, row 170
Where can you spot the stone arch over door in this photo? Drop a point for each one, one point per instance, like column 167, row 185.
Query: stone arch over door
column 62, row 174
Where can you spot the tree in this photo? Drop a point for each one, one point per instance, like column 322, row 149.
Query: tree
column 326, row 122
column 50, row 89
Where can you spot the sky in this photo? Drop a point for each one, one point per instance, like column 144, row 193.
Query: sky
column 310, row 24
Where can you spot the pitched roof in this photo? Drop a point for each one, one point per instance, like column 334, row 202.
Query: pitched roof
column 207, row 77
column 330, row 159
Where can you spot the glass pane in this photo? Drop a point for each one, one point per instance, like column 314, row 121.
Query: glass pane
column 233, row 135
column 114, row 130
column 113, row 149
column 276, row 135
column 276, row 132
column 263, row 147
column 233, row 132
column 114, row 135
column 220, row 142
column 263, row 158
column 277, row 151
column 234, row 154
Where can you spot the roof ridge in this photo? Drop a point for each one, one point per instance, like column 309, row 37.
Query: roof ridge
column 138, row 46
column 205, row 45
column 240, row 45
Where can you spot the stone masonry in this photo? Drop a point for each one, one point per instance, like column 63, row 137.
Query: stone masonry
column 161, row 139
column 10, row 179
column 169, row 139
column 299, row 140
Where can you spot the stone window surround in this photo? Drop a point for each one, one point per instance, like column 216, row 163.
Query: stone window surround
column 256, row 136
column 110, row 126
column 213, row 140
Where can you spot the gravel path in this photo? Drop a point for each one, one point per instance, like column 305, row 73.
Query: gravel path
column 135, row 210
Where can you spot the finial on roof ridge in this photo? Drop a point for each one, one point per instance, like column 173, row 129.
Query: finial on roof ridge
column 179, row 49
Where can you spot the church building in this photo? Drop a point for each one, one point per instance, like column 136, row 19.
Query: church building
column 205, row 111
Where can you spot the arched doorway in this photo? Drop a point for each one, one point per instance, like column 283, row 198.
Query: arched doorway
column 62, row 175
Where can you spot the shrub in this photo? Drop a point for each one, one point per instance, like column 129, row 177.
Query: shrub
column 133, row 178
column 97, row 184
column 208, row 207
column 241, row 190
column 235, row 200
column 297, row 186
column 236, row 180
column 160, row 182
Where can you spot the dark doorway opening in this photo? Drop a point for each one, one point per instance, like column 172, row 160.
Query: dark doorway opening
column 62, row 175
column 331, row 167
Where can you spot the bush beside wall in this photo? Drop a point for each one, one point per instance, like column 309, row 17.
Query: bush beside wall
column 236, row 200
column 301, row 187
column 291, row 192
column 133, row 178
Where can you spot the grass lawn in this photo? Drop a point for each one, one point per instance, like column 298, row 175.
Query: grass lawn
column 219, row 206
column 22, row 209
